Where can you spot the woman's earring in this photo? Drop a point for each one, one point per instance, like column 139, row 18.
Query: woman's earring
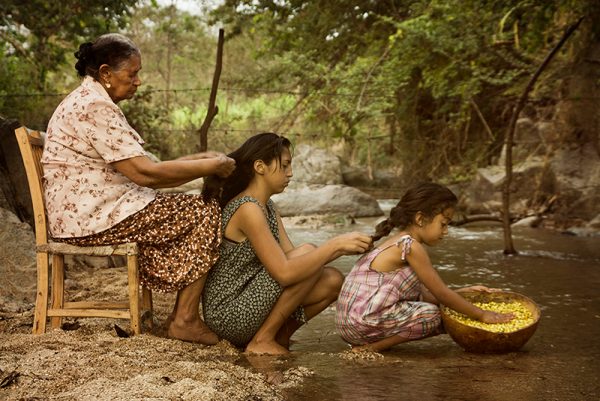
column 107, row 84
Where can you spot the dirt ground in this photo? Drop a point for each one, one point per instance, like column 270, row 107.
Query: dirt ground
column 88, row 360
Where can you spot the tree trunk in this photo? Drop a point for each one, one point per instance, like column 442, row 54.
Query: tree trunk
column 508, row 140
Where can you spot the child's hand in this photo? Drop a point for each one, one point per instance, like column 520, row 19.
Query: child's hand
column 353, row 243
column 493, row 317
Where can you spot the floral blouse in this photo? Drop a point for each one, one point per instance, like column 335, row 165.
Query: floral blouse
column 84, row 194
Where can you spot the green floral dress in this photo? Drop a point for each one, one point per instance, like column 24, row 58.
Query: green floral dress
column 239, row 293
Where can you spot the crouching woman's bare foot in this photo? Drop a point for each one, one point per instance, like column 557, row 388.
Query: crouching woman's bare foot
column 266, row 348
column 195, row 331
column 380, row 345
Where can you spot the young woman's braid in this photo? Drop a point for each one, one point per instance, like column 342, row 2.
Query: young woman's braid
column 428, row 198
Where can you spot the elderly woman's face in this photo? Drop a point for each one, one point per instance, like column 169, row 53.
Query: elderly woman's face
column 124, row 82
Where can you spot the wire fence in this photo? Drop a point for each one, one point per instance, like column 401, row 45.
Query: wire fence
column 12, row 109
column 248, row 90
column 34, row 110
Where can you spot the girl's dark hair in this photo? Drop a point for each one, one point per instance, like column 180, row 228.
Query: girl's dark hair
column 428, row 198
column 112, row 49
column 266, row 146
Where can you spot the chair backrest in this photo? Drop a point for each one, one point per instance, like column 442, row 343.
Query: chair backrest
column 31, row 145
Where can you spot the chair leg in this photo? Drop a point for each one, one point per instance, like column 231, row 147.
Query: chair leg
column 147, row 307
column 58, row 288
column 41, row 299
column 134, row 287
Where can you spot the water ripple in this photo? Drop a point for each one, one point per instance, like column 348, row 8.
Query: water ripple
column 550, row 254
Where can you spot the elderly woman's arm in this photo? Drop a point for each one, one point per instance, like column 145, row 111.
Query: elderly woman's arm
column 172, row 173
column 202, row 155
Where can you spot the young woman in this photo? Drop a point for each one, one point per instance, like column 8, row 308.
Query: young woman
column 263, row 288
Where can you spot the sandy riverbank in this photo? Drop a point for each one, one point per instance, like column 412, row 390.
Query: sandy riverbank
column 90, row 361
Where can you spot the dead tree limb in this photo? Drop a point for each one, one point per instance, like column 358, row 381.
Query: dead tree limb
column 483, row 120
column 212, row 109
column 462, row 220
column 508, row 140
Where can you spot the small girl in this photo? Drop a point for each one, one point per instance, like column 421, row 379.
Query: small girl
column 262, row 287
column 391, row 294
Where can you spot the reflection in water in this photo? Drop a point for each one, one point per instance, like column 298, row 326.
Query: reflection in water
column 268, row 365
column 560, row 273
column 550, row 255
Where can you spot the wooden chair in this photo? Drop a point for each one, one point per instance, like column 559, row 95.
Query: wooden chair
column 31, row 146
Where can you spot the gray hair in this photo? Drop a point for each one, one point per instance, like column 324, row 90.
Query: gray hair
column 112, row 49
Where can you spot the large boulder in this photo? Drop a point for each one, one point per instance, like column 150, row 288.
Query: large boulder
column 577, row 168
column 551, row 177
column 577, row 172
column 533, row 182
column 312, row 165
column 326, row 199
column 358, row 176
column 532, row 139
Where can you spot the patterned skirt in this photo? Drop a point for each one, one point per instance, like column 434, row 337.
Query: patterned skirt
column 178, row 237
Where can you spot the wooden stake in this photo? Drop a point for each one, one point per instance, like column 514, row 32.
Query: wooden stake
column 212, row 110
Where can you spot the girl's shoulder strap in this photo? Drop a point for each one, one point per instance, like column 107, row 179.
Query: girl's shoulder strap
column 404, row 243
column 272, row 217
column 270, row 204
column 234, row 205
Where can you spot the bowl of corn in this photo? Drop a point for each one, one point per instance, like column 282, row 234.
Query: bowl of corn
column 479, row 337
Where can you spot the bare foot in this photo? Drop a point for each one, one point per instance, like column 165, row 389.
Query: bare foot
column 266, row 347
column 380, row 345
column 283, row 336
column 362, row 348
column 374, row 347
column 265, row 364
column 193, row 331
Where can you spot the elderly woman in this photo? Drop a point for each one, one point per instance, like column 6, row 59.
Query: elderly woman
column 100, row 185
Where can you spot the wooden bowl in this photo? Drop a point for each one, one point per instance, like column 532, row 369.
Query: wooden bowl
column 473, row 339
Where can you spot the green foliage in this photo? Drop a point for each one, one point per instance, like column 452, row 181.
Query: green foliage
column 176, row 49
column 37, row 39
column 423, row 86
column 421, row 69
column 149, row 118
column 41, row 32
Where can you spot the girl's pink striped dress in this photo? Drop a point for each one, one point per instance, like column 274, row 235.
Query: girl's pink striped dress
column 373, row 305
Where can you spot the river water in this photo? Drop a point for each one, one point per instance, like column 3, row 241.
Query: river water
column 561, row 273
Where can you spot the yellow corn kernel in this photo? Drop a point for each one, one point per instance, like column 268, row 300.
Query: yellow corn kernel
column 522, row 316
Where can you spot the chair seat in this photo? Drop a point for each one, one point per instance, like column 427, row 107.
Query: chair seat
column 103, row 250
